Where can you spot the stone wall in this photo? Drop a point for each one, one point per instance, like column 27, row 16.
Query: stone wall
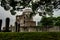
column 35, row 29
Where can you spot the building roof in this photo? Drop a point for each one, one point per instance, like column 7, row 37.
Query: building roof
column 27, row 10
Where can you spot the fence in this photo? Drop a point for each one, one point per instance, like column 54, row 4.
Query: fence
column 37, row 29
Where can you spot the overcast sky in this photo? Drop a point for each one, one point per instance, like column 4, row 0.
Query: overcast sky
column 4, row 14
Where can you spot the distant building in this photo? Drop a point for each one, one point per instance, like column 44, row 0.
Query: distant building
column 26, row 23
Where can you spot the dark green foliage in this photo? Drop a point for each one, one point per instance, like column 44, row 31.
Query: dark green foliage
column 43, row 2
column 6, row 7
column 57, row 22
column 24, row 2
column 34, row 6
column 12, row 12
column 0, row 24
column 30, row 36
column 47, row 21
column 13, row 3
column 47, row 5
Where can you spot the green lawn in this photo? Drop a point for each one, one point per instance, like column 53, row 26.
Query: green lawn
column 30, row 36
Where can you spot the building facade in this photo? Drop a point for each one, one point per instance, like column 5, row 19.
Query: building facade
column 26, row 23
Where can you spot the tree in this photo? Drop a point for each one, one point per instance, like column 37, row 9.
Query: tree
column 54, row 20
column 57, row 22
column 46, row 6
column 46, row 22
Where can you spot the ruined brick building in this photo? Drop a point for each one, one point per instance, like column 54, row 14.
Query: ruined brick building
column 26, row 24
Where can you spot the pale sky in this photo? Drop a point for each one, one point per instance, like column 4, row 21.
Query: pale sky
column 4, row 14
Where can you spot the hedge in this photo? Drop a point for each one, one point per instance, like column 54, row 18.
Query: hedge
column 30, row 36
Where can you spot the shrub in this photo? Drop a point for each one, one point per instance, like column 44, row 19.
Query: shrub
column 30, row 36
